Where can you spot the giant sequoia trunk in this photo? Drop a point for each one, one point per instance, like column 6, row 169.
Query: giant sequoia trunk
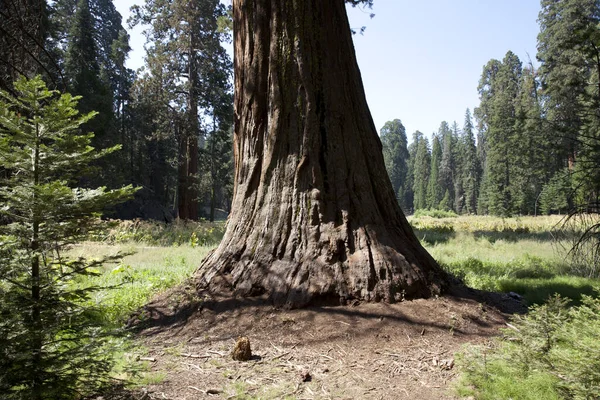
column 314, row 217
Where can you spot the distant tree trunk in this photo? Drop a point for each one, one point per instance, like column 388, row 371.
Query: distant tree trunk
column 314, row 217
column 188, row 166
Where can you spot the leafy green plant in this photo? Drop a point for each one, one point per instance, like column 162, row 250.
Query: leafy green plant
column 51, row 347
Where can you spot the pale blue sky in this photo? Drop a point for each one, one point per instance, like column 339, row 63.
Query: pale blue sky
column 421, row 59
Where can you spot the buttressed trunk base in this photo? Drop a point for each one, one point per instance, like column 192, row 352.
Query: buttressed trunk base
column 314, row 217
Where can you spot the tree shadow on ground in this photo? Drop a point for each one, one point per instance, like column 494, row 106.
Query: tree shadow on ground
column 433, row 236
column 534, row 279
column 211, row 305
column 538, row 291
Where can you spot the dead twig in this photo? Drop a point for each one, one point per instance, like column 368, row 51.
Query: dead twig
column 281, row 355
column 194, row 355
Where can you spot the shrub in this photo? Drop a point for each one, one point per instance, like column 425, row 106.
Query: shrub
column 435, row 213
column 201, row 233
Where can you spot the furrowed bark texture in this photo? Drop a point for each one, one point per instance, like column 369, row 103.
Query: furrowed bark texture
column 314, row 218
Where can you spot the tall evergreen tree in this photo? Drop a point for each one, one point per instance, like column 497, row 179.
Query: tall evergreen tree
column 91, row 43
column 458, row 154
column 421, row 170
column 314, row 217
column 88, row 79
column 395, row 155
column 23, row 34
column 471, row 170
column 410, row 173
column 217, row 152
column 153, row 148
column 569, row 50
column 434, row 190
column 536, row 162
column 498, row 88
column 446, row 178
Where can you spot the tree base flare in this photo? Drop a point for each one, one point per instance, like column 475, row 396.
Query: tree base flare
column 373, row 276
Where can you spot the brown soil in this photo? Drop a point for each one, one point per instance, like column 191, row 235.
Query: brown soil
column 361, row 351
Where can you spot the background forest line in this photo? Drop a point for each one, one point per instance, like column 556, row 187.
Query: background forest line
column 530, row 147
column 172, row 118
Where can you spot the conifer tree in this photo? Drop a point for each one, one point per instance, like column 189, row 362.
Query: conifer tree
column 434, row 190
column 50, row 347
column 421, row 170
column 23, row 33
column 87, row 78
column 458, row 154
column 183, row 36
column 569, row 49
column 568, row 52
column 471, row 171
column 395, row 155
column 536, row 161
column 446, row 178
column 410, row 173
column 498, row 88
column 314, row 217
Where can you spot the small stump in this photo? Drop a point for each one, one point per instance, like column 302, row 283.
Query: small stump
column 241, row 350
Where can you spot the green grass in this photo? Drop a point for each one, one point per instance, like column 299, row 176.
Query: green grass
column 487, row 378
column 506, row 255
column 519, row 255
column 139, row 276
column 131, row 283
column 551, row 353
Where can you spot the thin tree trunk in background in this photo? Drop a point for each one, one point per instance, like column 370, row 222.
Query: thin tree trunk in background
column 37, row 326
column 182, row 179
column 213, row 173
column 314, row 218
column 188, row 188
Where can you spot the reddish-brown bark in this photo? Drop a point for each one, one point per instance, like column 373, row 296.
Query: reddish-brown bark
column 314, row 217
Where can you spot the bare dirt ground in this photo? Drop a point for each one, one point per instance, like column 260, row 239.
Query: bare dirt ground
column 358, row 351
